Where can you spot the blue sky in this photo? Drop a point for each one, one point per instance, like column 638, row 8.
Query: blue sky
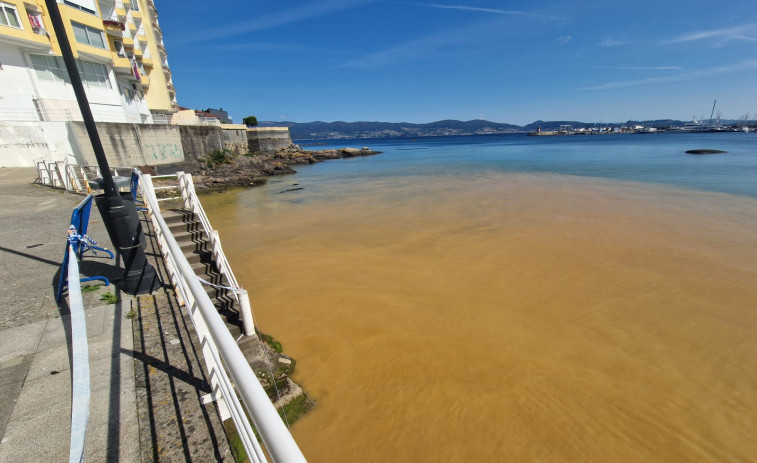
column 506, row 61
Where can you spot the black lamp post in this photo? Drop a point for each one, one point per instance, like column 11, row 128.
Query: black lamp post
column 120, row 218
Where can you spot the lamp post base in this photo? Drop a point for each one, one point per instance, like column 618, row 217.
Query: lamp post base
column 125, row 231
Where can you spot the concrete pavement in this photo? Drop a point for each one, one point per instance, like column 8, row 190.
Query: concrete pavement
column 35, row 373
column 146, row 395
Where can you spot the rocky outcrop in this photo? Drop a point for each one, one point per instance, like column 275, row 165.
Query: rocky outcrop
column 253, row 169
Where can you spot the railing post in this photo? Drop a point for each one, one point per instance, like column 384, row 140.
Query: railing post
column 183, row 190
column 190, row 190
column 147, row 186
column 246, row 310
column 215, row 243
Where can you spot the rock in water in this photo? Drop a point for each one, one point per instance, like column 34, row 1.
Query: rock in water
column 705, row 151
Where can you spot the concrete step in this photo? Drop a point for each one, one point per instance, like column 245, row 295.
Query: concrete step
column 188, row 236
column 196, row 257
column 193, row 246
column 172, row 216
column 204, row 268
column 179, row 227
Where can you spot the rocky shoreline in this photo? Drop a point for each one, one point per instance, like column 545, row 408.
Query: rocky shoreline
column 222, row 171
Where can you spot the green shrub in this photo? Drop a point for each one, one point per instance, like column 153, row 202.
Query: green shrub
column 272, row 343
column 250, row 121
column 218, row 157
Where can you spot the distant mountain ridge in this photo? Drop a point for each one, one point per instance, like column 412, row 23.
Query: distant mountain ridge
column 364, row 129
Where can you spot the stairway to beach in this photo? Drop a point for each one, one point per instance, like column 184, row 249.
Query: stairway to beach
column 188, row 232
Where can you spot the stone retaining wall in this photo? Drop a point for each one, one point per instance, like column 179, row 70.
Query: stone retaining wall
column 267, row 139
column 129, row 145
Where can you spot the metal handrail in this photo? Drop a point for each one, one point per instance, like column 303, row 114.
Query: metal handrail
column 192, row 202
column 80, row 384
column 228, row 368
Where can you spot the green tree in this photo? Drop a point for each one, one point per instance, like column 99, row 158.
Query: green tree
column 250, row 121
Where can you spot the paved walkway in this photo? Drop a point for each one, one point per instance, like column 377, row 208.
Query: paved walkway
column 145, row 395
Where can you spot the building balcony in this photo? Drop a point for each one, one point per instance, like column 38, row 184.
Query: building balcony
column 114, row 28
column 151, row 6
column 121, row 12
column 25, row 38
column 136, row 14
column 121, row 65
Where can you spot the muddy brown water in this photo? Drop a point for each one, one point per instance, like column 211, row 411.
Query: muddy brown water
column 508, row 317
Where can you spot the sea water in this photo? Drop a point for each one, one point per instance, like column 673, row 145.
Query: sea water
column 512, row 298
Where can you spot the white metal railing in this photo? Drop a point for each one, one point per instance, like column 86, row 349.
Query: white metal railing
column 192, row 203
column 80, row 385
column 161, row 119
column 228, row 369
column 73, row 177
column 100, row 114
column 197, row 120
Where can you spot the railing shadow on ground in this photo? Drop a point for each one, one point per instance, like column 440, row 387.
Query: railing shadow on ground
column 177, row 359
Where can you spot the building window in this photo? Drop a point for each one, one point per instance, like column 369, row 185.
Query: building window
column 9, row 16
column 93, row 74
column 134, row 5
column 84, row 5
column 48, row 67
column 52, row 68
column 119, row 46
column 88, row 35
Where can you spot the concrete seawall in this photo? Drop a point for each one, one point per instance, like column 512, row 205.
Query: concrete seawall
column 268, row 138
column 24, row 143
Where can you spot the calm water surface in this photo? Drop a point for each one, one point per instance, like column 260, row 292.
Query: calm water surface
column 513, row 298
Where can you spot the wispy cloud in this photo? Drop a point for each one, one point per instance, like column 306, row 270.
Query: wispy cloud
column 253, row 46
column 752, row 64
column 611, row 42
column 744, row 32
column 564, row 39
column 425, row 47
column 486, row 10
column 642, row 68
column 270, row 21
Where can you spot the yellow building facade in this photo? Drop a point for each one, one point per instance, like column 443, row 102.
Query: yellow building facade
column 120, row 53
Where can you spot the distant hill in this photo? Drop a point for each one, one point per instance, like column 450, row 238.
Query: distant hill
column 335, row 130
column 363, row 129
